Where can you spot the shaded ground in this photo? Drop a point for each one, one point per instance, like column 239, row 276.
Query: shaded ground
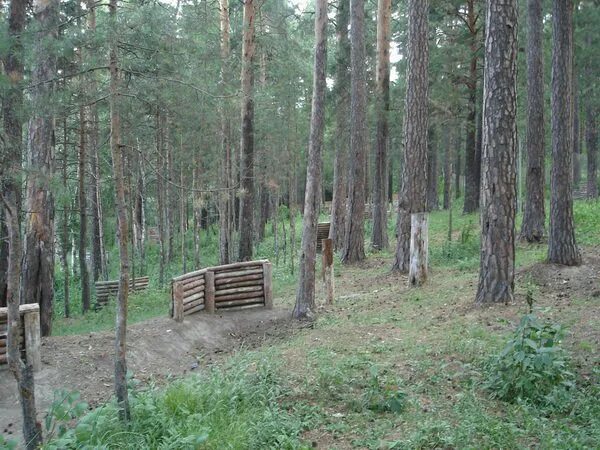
column 157, row 349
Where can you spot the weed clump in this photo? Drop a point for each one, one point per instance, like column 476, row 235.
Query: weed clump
column 532, row 366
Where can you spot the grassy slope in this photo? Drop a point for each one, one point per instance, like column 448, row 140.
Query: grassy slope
column 386, row 367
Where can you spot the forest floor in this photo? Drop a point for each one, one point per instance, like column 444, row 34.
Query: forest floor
column 424, row 347
column 157, row 350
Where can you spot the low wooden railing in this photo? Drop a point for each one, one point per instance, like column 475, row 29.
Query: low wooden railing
column 233, row 285
column 30, row 337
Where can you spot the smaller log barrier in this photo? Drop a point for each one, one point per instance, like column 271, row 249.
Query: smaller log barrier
column 30, row 335
column 233, row 285
column 322, row 233
column 107, row 289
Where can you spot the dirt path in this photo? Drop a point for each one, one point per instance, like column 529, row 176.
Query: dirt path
column 157, row 348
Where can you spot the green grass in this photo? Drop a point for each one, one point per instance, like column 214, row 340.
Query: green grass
column 386, row 367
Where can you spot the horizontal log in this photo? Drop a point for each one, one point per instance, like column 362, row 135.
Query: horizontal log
column 192, row 305
column 188, row 275
column 256, row 276
column 194, row 310
column 235, row 266
column 115, row 287
column 116, row 282
column 246, row 302
column 193, row 298
column 193, row 282
column 239, row 290
column 240, row 273
column 27, row 307
column 197, row 290
column 240, row 296
column 259, row 282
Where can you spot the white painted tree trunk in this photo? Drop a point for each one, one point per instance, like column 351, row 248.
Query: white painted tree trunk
column 419, row 249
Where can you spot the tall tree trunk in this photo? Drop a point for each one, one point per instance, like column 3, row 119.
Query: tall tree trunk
column 413, row 195
column 533, row 226
column 21, row 369
column 305, row 295
column 85, row 281
column 591, row 139
column 12, row 106
column 448, row 146
column 225, row 226
column 458, row 165
column 65, row 242
column 160, row 197
column 432, row 169
column 354, row 235
column 498, row 203
column 99, row 268
column 576, row 148
column 170, row 200
column 472, row 158
column 379, row 239
column 38, row 263
column 10, row 201
column 116, row 151
column 340, row 167
column 247, row 140
column 562, row 248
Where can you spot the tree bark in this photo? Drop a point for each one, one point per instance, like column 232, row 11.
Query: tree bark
column 83, row 270
column 99, row 269
column 122, row 226
column 12, row 106
column 340, row 168
column 37, row 282
column 576, row 149
column 448, row 146
column 432, row 169
column 591, row 139
column 472, row 155
column 305, row 295
column 562, row 248
column 533, row 226
column 498, row 202
column 379, row 240
column 413, row 195
column 160, row 197
column 247, row 140
column 225, row 219
column 354, row 235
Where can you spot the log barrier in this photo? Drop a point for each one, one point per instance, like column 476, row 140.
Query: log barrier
column 322, row 233
column 232, row 285
column 30, row 335
column 107, row 289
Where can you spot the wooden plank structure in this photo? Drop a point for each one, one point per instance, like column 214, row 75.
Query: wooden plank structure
column 233, row 285
column 30, row 337
column 322, row 233
column 107, row 289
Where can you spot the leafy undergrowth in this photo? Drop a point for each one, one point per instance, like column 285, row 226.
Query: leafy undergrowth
column 392, row 367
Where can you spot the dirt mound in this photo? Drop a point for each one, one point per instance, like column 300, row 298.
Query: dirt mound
column 570, row 283
column 156, row 349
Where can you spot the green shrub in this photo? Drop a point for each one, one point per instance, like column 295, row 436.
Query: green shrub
column 532, row 366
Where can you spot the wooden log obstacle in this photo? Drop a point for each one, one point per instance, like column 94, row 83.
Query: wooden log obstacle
column 322, row 233
column 30, row 335
column 107, row 289
column 232, row 285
